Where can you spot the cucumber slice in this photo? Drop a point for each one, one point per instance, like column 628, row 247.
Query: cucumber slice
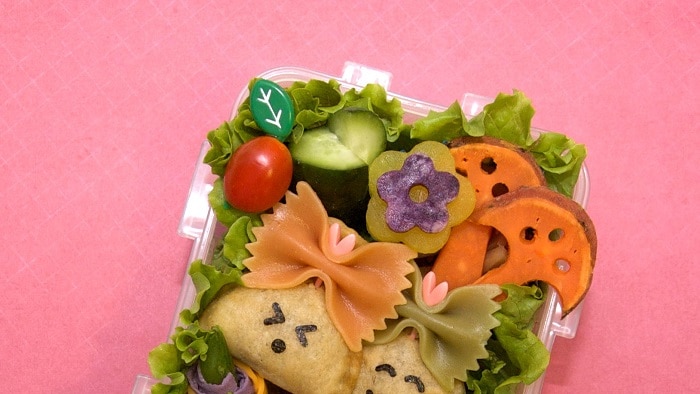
column 344, row 193
column 361, row 131
column 334, row 159
column 321, row 148
column 337, row 175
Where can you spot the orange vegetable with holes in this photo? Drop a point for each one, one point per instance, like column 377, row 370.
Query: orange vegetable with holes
column 494, row 167
column 550, row 238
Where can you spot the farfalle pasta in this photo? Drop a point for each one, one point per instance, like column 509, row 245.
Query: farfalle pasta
column 362, row 287
column 452, row 333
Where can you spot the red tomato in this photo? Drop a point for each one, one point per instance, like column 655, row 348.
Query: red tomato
column 258, row 174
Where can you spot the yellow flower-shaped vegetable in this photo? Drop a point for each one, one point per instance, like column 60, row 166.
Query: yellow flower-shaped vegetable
column 417, row 197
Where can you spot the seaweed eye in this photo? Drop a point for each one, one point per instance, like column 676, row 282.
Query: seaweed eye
column 278, row 317
column 301, row 333
column 386, row 368
column 415, row 380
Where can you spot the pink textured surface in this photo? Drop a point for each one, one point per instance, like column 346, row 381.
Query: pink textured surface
column 103, row 109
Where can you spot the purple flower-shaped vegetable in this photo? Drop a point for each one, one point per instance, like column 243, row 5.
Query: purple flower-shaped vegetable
column 416, row 197
column 403, row 211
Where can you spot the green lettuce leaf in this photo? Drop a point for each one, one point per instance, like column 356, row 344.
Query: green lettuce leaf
column 190, row 345
column 238, row 235
column 561, row 159
column 507, row 117
column 165, row 363
column 207, row 281
column 164, row 359
column 313, row 102
column 374, row 98
column 441, row 126
column 516, row 355
column 225, row 139
column 221, row 148
column 327, row 93
column 225, row 213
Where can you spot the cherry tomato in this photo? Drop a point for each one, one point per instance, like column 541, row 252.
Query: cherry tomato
column 258, row 174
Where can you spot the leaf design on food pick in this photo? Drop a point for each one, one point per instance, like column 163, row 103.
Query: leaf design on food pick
column 362, row 286
column 265, row 99
column 453, row 333
column 272, row 108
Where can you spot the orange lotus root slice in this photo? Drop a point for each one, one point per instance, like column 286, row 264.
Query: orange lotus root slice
column 493, row 167
column 550, row 238
column 460, row 262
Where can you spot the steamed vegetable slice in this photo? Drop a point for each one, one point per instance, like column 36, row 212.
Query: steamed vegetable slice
column 374, row 98
column 320, row 147
column 461, row 261
column 494, row 167
column 322, row 161
column 415, row 197
column 550, row 238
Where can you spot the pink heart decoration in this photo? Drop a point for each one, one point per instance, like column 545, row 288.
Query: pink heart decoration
column 432, row 293
column 337, row 246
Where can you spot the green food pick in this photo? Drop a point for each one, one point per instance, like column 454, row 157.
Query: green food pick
column 272, row 108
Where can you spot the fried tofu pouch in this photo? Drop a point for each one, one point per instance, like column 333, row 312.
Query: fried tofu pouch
column 286, row 336
column 396, row 367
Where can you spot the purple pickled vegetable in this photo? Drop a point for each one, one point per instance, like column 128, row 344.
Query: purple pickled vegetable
column 238, row 383
column 403, row 213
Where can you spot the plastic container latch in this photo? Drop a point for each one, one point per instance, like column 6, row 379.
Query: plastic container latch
column 197, row 206
column 567, row 326
column 472, row 104
column 359, row 74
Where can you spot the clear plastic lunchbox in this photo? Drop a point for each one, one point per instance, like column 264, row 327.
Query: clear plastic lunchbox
column 199, row 223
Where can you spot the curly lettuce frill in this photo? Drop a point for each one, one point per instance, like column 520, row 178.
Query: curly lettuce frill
column 452, row 334
column 362, row 287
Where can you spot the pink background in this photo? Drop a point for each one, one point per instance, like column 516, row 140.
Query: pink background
column 103, row 109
